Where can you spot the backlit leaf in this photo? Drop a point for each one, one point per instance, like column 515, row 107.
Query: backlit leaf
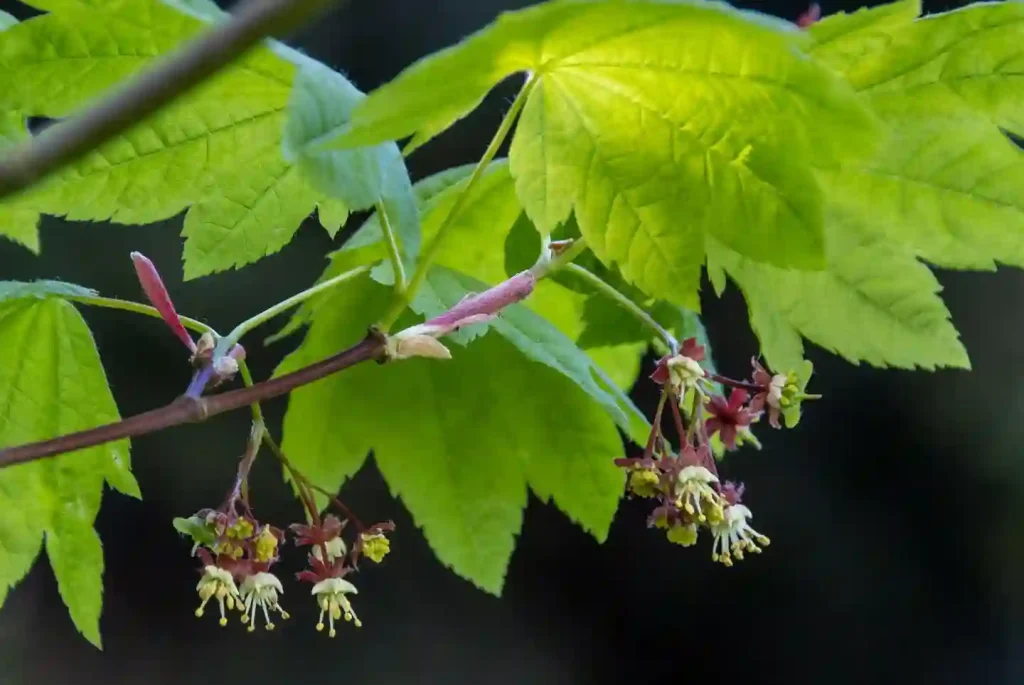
column 51, row 383
column 363, row 178
column 658, row 122
column 875, row 303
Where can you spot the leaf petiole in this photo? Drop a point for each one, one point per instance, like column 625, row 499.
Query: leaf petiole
column 392, row 245
column 627, row 304
column 138, row 308
column 402, row 300
column 228, row 341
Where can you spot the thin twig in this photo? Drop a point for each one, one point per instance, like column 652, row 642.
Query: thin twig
column 190, row 410
column 733, row 383
column 174, row 76
column 194, row 408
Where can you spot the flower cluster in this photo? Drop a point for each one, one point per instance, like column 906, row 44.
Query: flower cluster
column 237, row 553
column 685, row 482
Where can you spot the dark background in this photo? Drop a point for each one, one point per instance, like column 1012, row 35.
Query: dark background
column 894, row 509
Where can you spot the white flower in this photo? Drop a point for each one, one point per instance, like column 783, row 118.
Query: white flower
column 259, row 591
column 335, row 550
column 684, row 372
column 775, row 389
column 734, row 536
column 330, row 595
column 695, row 495
column 216, row 582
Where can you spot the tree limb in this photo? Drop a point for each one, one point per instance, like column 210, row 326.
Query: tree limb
column 190, row 410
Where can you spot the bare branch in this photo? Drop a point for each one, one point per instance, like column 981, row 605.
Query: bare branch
column 189, row 410
column 174, row 76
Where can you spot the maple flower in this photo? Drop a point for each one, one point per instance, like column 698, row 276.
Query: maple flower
column 644, row 475
column 266, row 544
column 259, row 591
column 375, row 546
column 335, row 550
column 643, row 482
column 734, row 536
column 781, row 393
column 677, row 524
column 330, row 596
column 683, row 370
column 696, row 495
column 323, row 536
column 217, row 583
column 729, row 417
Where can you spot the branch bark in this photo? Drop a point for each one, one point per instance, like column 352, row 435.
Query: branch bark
column 186, row 409
column 175, row 76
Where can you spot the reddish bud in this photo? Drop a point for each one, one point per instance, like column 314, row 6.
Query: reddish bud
column 157, row 293
column 812, row 15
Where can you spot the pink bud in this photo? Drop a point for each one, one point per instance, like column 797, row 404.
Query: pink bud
column 486, row 305
column 809, row 17
column 157, row 293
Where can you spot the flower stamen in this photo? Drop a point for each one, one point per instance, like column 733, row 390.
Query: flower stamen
column 259, row 591
column 734, row 536
column 330, row 596
column 217, row 583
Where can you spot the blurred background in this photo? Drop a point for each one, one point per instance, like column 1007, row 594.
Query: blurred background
column 894, row 509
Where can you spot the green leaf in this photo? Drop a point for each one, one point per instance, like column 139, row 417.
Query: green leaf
column 6, row 20
column 257, row 214
column 15, row 290
column 658, row 122
column 948, row 187
column 187, row 152
column 974, row 54
column 48, row 360
column 332, row 213
column 842, row 39
column 198, row 530
column 17, row 224
column 363, row 178
column 947, row 181
column 469, row 443
column 875, row 303
column 77, row 558
column 53, row 64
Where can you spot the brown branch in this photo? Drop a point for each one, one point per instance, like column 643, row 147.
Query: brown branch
column 174, row 76
column 188, row 410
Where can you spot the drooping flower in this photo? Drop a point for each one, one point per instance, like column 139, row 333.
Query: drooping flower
column 329, row 529
column 260, row 591
column 729, row 417
column 218, row 584
column 375, row 546
column 331, row 597
column 643, row 482
column 266, row 544
column 734, row 536
column 687, row 361
column 335, row 547
column 782, row 394
column 696, row 496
